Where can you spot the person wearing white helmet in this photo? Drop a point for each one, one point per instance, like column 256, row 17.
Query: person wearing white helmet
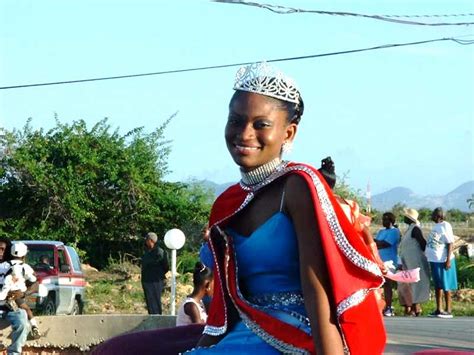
column 18, row 319
column 15, row 284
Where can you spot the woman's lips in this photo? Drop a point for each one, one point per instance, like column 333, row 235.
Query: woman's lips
column 245, row 149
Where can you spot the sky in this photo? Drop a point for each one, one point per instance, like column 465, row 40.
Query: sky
column 395, row 117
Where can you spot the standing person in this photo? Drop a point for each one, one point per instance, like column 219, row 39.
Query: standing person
column 412, row 255
column 18, row 318
column 154, row 267
column 387, row 240
column 193, row 309
column 205, row 254
column 439, row 252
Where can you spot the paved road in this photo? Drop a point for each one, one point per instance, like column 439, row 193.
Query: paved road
column 409, row 335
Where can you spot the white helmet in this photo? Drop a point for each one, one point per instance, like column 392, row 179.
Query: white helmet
column 19, row 249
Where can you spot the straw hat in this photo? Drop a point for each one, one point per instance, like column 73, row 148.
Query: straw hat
column 411, row 214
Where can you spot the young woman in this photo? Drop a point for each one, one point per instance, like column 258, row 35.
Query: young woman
column 439, row 252
column 292, row 274
column 193, row 310
column 387, row 241
column 412, row 248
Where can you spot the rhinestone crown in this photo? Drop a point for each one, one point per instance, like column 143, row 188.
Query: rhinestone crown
column 262, row 78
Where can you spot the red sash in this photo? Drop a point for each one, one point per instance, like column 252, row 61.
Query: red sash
column 352, row 271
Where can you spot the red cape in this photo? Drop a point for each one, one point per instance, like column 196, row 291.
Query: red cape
column 352, row 271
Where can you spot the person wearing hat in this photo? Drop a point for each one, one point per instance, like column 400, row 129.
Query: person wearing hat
column 412, row 247
column 154, row 267
column 439, row 252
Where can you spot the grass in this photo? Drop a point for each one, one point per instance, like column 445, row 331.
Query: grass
column 460, row 308
column 118, row 289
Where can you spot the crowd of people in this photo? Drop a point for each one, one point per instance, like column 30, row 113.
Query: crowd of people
column 431, row 256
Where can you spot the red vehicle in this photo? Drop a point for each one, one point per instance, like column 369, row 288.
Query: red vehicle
column 60, row 278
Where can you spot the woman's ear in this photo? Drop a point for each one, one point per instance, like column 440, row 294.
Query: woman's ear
column 290, row 132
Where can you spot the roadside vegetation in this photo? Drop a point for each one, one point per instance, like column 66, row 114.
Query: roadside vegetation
column 117, row 289
column 101, row 191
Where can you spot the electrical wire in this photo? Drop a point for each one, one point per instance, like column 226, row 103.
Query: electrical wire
column 456, row 40
column 283, row 10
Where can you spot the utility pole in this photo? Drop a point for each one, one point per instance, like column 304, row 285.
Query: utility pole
column 368, row 196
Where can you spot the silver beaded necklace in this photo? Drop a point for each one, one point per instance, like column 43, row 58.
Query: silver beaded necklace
column 257, row 175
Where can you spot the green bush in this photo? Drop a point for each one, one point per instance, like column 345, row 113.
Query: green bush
column 465, row 272
column 186, row 260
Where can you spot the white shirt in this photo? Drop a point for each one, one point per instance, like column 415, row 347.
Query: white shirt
column 183, row 319
column 437, row 242
column 16, row 280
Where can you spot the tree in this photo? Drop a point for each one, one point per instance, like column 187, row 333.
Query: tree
column 398, row 210
column 344, row 190
column 424, row 214
column 95, row 189
column 456, row 215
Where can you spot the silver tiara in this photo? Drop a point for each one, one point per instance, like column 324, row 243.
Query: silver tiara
column 262, row 78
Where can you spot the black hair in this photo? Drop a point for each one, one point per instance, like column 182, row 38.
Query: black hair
column 328, row 171
column 390, row 216
column 201, row 274
column 438, row 212
column 295, row 111
column 7, row 254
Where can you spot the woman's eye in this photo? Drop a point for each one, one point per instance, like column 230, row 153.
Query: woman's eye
column 262, row 124
column 233, row 120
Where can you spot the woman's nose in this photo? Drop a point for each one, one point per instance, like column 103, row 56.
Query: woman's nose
column 247, row 131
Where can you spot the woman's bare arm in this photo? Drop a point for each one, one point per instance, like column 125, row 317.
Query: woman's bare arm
column 313, row 270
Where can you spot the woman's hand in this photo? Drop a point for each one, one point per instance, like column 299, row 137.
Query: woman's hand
column 447, row 264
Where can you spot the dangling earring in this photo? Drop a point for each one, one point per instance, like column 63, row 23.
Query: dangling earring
column 287, row 147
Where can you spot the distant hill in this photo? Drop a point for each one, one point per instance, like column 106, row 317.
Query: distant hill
column 454, row 199
column 216, row 188
column 386, row 200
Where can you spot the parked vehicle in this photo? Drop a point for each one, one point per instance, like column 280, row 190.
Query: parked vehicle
column 60, row 278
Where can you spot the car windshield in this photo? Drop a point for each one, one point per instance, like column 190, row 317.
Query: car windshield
column 40, row 257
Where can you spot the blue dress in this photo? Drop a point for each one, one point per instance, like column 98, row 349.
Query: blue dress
column 269, row 279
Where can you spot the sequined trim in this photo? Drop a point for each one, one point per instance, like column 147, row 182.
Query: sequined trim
column 351, row 301
column 253, row 326
column 341, row 240
column 274, row 342
column 278, row 299
column 215, row 331
column 209, row 329
column 278, row 171
column 259, row 174
column 338, row 235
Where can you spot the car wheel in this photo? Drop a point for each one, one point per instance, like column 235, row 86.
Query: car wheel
column 76, row 308
column 49, row 308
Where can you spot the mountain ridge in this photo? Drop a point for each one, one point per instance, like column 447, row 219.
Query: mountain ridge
column 457, row 198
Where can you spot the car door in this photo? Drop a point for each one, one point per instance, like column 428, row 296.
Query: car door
column 65, row 294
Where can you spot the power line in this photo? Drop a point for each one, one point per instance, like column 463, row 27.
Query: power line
column 283, row 10
column 456, row 40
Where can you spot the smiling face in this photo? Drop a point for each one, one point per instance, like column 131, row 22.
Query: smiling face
column 256, row 129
